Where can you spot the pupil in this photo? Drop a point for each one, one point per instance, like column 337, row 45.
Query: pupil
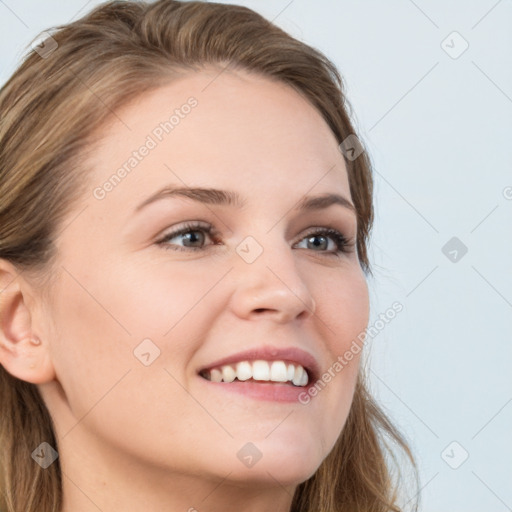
column 192, row 236
column 317, row 237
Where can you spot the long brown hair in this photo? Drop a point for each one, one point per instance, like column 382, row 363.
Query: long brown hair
column 51, row 110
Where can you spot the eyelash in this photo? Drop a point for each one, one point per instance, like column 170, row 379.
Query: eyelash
column 343, row 244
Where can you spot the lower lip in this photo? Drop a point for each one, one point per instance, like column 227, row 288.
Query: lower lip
column 272, row 392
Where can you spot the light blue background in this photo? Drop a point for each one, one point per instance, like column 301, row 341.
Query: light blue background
column 439, row 131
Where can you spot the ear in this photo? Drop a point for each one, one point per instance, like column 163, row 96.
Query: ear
column 23, row 352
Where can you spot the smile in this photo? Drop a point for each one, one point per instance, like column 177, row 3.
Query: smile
column 260, row 371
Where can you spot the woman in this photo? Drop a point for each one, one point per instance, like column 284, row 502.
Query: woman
column 183, row 254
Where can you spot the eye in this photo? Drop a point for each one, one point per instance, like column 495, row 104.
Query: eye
column 193, row 241
column 319, row 238
column 195, row 234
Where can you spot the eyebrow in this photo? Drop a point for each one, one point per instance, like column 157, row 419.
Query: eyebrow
column 215, row 196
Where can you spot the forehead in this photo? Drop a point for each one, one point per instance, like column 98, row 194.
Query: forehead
column 219, row 128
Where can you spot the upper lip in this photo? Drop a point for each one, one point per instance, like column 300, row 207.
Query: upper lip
column 269, row 353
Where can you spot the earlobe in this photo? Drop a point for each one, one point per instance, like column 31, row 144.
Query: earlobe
column 27, row 360
column 22, row 352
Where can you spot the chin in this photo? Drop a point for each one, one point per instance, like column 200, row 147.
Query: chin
column 272, row 473
column 284, row 462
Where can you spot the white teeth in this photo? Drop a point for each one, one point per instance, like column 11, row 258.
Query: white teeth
column 216, row 375
column 297, row 378
column 291, row 372
column 228, row 374
column 278, row 372
column 260, row 370
column 243, row 370
column 274, row 371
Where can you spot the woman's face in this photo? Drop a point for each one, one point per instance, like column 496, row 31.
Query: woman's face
column 136, row 314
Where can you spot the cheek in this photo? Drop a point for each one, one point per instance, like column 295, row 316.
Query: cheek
column 100, row 319
column 91, row 349
column 104, row 383
column 344, row 308
column 171, row 304
column 343, row 315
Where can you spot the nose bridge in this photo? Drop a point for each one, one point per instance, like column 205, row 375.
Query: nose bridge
column 268, row 277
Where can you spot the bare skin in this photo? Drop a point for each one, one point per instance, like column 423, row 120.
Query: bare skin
column 133, row 437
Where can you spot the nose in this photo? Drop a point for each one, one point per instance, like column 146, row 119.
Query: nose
column 272, row 287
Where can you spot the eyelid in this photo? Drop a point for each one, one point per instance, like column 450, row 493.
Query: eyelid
column 344, row 243
column 347, row 243
column 188, row 226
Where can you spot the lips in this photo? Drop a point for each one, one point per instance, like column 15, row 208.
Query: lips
column 290, row 365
